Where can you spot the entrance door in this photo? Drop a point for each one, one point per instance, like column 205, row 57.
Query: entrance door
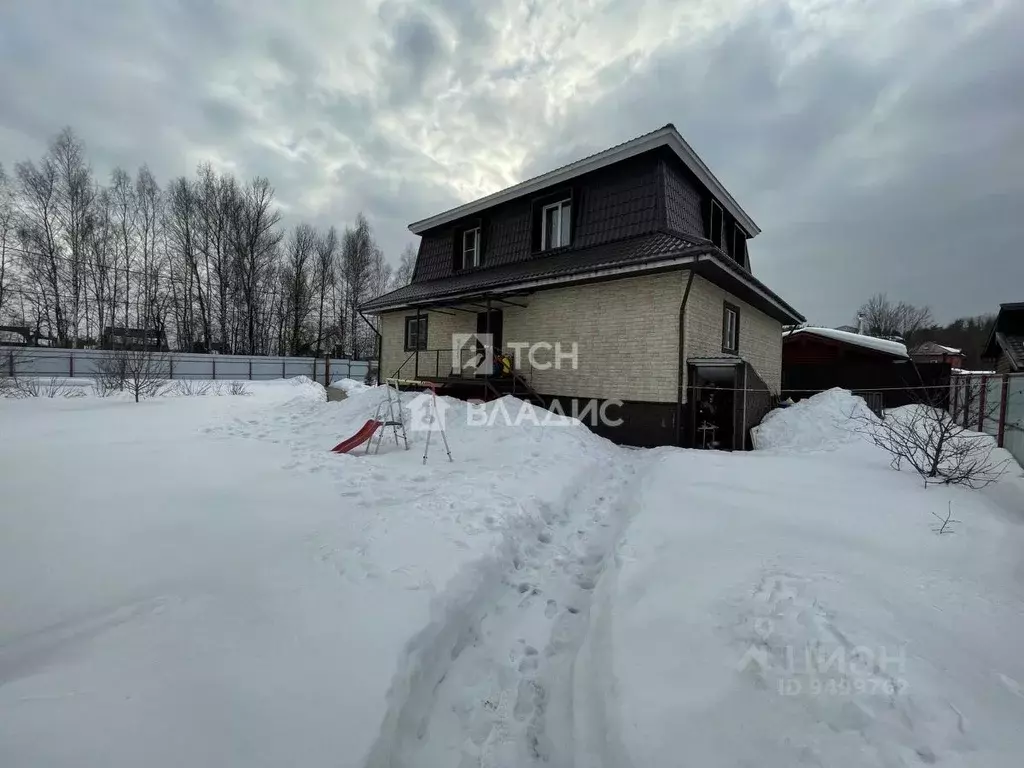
column 492, row 325
column 712, row 405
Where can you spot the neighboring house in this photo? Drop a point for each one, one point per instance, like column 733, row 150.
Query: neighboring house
column 636, row 255
column 932, row 352
column 133, row 338
column 815, row 359
column 1005, row 348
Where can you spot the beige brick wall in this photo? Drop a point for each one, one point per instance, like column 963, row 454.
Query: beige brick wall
column 440, row 328
column 626, row 333
column 760, row 335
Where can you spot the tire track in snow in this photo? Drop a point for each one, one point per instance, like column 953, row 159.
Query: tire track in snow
column 490, row 682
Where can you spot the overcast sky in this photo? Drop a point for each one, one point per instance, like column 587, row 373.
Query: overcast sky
column 879, row 144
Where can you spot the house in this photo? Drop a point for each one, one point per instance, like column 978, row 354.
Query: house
column 932, row 352
column 1005, row 348
column 881, row 370
column 620, row 284
column 133, row 338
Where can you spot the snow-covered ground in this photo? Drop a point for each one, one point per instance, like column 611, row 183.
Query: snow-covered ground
column 198, row 581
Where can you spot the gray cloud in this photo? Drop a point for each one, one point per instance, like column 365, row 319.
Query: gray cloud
column 877, row 144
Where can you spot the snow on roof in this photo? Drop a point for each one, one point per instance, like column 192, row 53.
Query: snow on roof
column 894, row 348
column 933, row 348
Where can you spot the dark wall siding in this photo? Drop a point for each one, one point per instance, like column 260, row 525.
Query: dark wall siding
column 682, row 202
column 620, row 202
column 645, row 425
column 611, row 204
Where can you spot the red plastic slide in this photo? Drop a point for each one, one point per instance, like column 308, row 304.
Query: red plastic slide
column 365, row 433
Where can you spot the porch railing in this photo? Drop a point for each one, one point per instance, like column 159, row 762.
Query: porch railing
column 442, row 363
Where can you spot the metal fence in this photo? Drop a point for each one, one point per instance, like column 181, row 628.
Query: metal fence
column 991, row 403
column 86, row 363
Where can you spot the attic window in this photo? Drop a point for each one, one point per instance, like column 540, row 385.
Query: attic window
column 716, row 229
column 555, row 221
column 739, row 245
column 471, row 248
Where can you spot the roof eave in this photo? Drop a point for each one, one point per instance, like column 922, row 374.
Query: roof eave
column 667, row 136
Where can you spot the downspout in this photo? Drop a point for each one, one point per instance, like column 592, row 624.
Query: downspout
column 380, row 345
column 681, row 370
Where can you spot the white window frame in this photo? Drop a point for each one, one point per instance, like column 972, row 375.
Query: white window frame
column 730, row 329
column 563, row 207
column 475, row 249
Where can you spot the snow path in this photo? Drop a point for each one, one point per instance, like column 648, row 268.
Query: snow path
column 492, row 683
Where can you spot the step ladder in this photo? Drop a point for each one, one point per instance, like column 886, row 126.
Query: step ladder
column 389, row 413
column 433, row 416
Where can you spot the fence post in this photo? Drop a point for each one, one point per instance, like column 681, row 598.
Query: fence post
column 170, row 367
column 1002, row 410
column 981, row 403
column 213, row 362
column 71, row 365
column 250, row 369
column 327, row 370
column 284, row 370
column 10, row 363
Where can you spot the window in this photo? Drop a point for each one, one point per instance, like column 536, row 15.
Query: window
column 739, row 246
column 716, row 225
column 554, row 225
column 415, row 333
column 730, row 328
column 471, row 248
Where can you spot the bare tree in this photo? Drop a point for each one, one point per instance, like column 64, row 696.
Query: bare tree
column 152, row 307
column 74, row 205
column 189, row 278
column 885, row 319
column 103, row 278
column 362, row 272
column 141, row 372
column 406, row 266
column 42, row 257
column 324, row 280
column 297, row 287
column 125, row 223
column 255, row 238
column 7, row 236
column 928, row 439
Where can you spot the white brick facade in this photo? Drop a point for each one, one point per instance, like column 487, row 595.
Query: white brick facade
column 626, row 334
column 440, row 328
column 626, row 331
column 760, row 335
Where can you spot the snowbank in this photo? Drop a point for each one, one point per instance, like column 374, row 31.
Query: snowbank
column 780, row 610
column 199, row 581
column 349, row 385
column 895, row 348
column 205, row 566
column 821, row 422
